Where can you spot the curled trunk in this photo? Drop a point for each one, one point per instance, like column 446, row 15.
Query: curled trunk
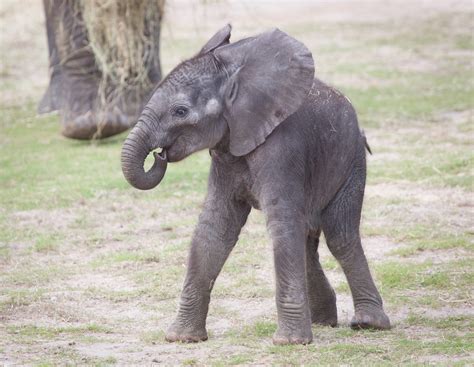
column 135, row 149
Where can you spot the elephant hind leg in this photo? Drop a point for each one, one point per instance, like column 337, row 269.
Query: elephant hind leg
column 322, row 298
column 340, row 224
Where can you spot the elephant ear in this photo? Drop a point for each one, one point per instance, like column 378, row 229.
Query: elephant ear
column 221, row 38
column 269, row 77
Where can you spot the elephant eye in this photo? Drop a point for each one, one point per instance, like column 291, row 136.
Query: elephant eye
column 180, row 111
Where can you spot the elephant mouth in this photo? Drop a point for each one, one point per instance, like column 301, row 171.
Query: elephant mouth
column 174, row 153
column 160, row 153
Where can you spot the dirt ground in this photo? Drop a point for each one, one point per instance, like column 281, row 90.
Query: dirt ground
column 95, row 279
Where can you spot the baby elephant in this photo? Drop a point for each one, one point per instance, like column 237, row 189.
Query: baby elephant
column 281, row 141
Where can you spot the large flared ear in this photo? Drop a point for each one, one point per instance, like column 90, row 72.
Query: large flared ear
column 269, row 77
column 221, row 38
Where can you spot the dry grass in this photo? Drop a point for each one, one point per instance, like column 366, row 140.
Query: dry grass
column 121, row 34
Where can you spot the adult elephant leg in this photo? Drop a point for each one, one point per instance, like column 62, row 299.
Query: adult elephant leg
column 52, row 99
column 125, row 39
column 75, row 77
column 322, row 298
column 93, row 104
column 340, row 223
column 288, row 231
column 216, row 234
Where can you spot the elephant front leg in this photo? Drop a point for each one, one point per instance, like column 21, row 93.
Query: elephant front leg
column 294, row 317
column 215, row 236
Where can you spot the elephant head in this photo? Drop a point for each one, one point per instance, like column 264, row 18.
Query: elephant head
column 229, row 93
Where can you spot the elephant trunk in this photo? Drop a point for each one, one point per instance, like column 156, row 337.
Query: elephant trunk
column 135, row 149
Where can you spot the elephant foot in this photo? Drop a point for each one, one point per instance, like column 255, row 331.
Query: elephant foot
column 178, row 333
column 375, row 319
column 296, row 337
column 325, row 317
column 91, row 125
column 51, row 100
column 324, row 312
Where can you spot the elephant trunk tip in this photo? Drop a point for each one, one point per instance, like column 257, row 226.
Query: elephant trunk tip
column 133, row 160
column 160, row 153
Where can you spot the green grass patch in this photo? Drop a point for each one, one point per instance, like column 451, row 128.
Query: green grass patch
column 436, row 280
column 125, row 256
column 162, row 282
column 462, row 323
column 239, row 359
column 4, row 251
column 44, row 332
column 440, row 30
column 393, row 275
column 399, row 276
column 329, row 263
column 29, row 275
column 418, row 237
column 117, row 295
column 443, row 242
column 428, row 165
column 263, row 329
column 343, row 287
column 420, row 284
column 152, row 337
column 42, row 169
column 247, row 285
column 190, row 362
column 449, row 345
column 47, row 242
column 16, row 297
column 335, row 353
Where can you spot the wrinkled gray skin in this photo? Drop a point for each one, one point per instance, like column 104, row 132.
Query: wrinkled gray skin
column 282, row 142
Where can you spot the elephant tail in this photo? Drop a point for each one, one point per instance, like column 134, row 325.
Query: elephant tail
column 367, row 146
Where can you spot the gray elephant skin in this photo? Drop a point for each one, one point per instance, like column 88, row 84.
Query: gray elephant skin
column 282, row 142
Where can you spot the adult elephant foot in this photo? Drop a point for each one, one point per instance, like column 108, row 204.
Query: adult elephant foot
column 98, row 123
column 371, row 318
column 179, row 333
